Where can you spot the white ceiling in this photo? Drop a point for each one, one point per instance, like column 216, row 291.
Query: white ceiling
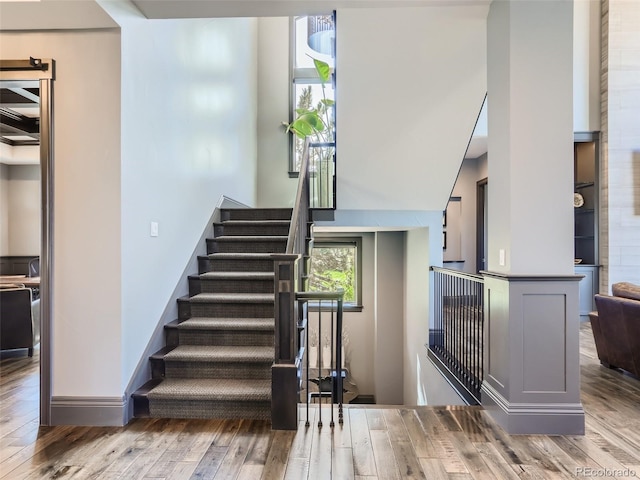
column 477, row 147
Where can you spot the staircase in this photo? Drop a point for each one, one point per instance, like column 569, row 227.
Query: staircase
column 219, row 351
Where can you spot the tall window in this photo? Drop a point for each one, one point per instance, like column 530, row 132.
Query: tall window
column 313, row 37
column 336, row 264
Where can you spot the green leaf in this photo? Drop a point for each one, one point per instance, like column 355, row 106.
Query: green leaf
column 323, row 69
column 301, row 127
column 328, row 102
column 313, row 120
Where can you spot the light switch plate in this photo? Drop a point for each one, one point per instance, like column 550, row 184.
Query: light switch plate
column 154, row 229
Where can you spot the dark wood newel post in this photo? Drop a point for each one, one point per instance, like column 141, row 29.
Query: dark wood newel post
column 284, row 372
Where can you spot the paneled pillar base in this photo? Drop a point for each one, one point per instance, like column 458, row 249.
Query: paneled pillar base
column 533, row 418
column 532, row 357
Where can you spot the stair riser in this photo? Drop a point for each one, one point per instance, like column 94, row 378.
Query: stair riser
column 204, row 409
column 253, row 246
column 230, row 286
column 244, row 370
column 256, row 214
column 224, row 310
column 225, row 337
column 258, row 230
column 206, row 264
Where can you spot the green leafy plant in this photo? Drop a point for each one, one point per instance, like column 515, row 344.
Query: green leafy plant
column 312, row 120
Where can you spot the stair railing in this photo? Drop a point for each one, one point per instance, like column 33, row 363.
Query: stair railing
column 300, row 215
column 328, row 373
column 457, row 339
column 286, row 369
column 322, row 175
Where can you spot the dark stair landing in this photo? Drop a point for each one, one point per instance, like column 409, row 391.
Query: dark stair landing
column 219, row 351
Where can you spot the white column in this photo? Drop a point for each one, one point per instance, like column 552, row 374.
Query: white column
column 532, row 371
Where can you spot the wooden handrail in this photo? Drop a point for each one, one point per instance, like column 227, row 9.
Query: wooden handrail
column 300, row 202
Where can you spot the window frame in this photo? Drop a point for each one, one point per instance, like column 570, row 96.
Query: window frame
column 321, row 241
column 302, row 75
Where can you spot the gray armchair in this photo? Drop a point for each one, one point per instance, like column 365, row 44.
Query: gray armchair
column 19, row 319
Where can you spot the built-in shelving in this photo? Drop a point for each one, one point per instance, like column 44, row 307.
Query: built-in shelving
column 586, row 217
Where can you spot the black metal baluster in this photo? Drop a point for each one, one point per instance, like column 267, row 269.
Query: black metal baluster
column 339, row 359
column 331, row 366
column 320, row 363
column 307, row 392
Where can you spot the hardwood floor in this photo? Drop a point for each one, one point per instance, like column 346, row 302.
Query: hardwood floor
column 373, row 443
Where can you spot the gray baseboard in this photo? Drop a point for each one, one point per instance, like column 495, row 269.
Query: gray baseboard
column 533, row 419
column 89, row 411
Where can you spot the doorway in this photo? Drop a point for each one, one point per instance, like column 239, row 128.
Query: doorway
column 34, row 78
column 481, row 224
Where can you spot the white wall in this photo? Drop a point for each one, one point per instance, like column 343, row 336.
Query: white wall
column 24, row 210
column 416, row 313
column 86, row 278
column 411, row 82
column 586, row 65
column 20, row 154
column 275, row 188
column 188, row 136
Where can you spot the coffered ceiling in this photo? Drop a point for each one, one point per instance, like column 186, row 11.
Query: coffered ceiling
column 19, row 114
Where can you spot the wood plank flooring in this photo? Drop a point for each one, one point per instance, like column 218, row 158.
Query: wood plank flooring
column 374, row 443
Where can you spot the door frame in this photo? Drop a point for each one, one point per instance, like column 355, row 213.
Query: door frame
column 42, row 71
column 481, row 194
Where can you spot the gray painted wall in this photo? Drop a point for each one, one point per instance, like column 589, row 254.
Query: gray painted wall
column 471, row 171
column 389, row 318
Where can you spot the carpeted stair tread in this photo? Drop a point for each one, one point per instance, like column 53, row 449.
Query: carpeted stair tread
column 254, row 222
column 233, row 298
column 241, row 256
column 213, row 323
column 251, row 238
column 237, row 276
column 226, row 354
column 213, row 389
